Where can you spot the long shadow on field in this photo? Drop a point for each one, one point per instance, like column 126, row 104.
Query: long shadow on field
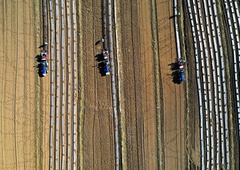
column 101, row 67
column 174, row 66
column 175, row 77
column 99, row 57
column 38, row 58
column 39, row 68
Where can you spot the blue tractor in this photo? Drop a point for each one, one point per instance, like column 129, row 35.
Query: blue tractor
column 42, row 68
column 106, row 63
column 181, row 73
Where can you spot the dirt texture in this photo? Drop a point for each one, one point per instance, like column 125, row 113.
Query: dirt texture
column 17, row 87
column 138, row 85
column 193, row 142
column 38, row 115
column 136, row 55
column 97, row 133
column 173, row 94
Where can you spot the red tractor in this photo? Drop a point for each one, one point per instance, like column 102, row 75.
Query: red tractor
column 181, row 63
column 105, row 53
column 44, row 52
column 44, row 55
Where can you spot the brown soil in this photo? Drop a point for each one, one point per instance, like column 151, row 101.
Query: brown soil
column 139, row 91
column 17, row 87
column 173, row 94
column 138, row 84
column 193, row 114
column 98, row 134
column 20, row 100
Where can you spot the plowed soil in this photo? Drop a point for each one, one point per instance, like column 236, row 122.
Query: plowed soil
column 24, row 137
column 136, row 55
column 98, row 132
column 19, row 78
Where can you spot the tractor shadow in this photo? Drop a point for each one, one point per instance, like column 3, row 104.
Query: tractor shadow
column 99, row 57
column 38, row 67
column 98, row 42
column 38, row 58
column 101, row 68
column 174, row 66
column 175, row 77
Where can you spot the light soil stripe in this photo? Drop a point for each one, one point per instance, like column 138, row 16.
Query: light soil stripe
column 121, row 97
column 158, row 81
column 15, row 89
column 81, row 83
column 3, row 81
column 37, row 89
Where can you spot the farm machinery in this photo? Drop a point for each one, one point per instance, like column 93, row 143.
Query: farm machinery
column 181, row 71
column 42, row 68
column 181, row 63
column 42, row 59
column 106, row 61
column 103, row 62
column 106, row 67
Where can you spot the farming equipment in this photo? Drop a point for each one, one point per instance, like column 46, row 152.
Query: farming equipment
column 181, row 74
column 105, row 54
column 106, row 67
column 42, row 68
column 181, row 63
column 44, row 55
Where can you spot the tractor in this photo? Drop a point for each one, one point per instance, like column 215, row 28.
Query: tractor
column 44, row 55
column 181, row 74
column 42, row 68
column 181, row 63
column 106, row 67
column 105, row 54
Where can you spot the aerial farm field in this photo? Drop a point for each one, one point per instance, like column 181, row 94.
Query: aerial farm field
column 139, row 116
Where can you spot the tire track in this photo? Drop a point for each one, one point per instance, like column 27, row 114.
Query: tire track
column 81, row 84
column 97, row 162
column 26, row 66
column 15, row 89
column 158, row 87
column 4, row 71
column 37, row 89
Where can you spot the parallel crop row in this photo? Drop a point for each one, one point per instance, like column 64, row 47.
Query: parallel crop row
column 176, row 14
column 63, row 69
column 108, row 21
column 210, row 70
column 233, row 16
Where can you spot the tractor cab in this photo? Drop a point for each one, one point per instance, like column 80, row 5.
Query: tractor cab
column 42, row 68
column 106, row 66
column 181, row 63
column 105, row 53
column 181, row 73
